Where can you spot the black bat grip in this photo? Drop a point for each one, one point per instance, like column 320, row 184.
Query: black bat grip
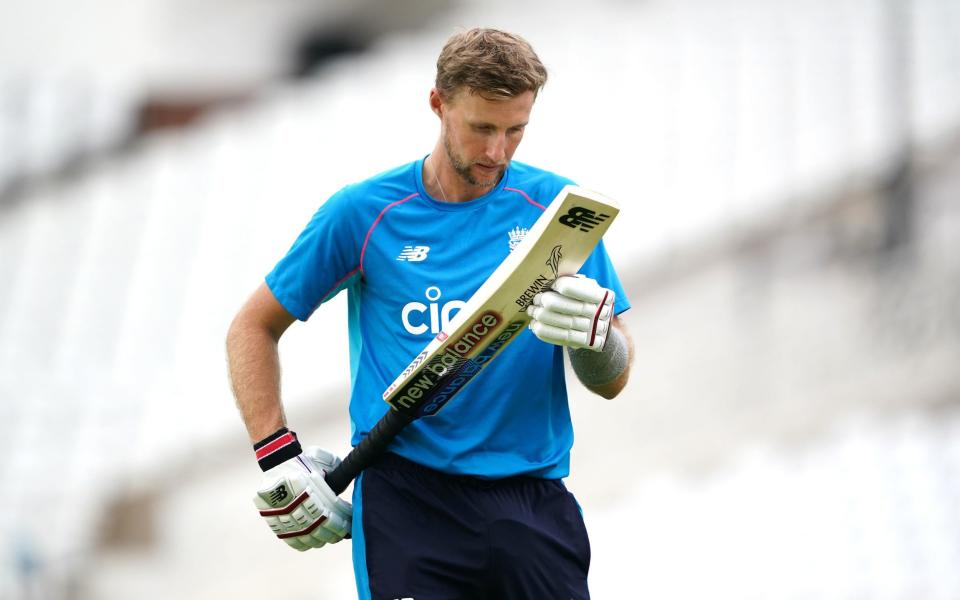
column 368, row 450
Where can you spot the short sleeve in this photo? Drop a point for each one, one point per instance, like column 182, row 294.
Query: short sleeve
column 324, row 259
column 599, row 267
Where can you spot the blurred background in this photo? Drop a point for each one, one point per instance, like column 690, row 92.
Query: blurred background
column 790, row 239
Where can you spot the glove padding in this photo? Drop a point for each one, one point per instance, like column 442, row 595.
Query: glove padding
column 576, row 313
column 299, row 506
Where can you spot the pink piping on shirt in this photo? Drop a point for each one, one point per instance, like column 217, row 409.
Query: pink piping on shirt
column 524, row 194
column 342, row 279
column 375, row 222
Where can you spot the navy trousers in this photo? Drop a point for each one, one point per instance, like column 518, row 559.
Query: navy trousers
column 426, row 535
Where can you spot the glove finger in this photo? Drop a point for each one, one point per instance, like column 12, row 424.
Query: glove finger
column 598, row 341
column 328, row 537
column 297, row 544
column 301, row 527
column 581, row 288
column 568, row 337
column 338, row 524
column 556, row 319
column 585, row 344
column 345, row 511
column 314, row 540
column 606, row 312
column 537, row 299
column 331, row 537
column 274, row 525
column 344, row 508
column 559, row 335
column 600, row 329
column 541, row 313
column 324, row 536
column 559, row 303
column 288, row 524
column 554, row 302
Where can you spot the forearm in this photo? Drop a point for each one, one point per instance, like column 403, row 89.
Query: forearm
column 254, row 365
column 605, row 373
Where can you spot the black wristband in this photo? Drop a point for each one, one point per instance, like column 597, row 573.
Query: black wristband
column 276, row 448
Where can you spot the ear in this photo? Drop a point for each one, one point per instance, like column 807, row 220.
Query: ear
column 436, row 102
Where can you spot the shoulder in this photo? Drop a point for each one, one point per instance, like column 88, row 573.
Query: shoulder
column 391, row 185
column 379, row 191
column 539, row 184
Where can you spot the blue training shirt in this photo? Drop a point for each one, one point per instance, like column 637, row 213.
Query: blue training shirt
column 409, row 262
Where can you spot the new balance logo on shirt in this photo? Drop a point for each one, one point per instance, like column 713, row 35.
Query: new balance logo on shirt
column 414, row 253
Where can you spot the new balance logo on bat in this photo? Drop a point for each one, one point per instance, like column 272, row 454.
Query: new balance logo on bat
column 446, row 363
column 584, row 218
column 414, row 253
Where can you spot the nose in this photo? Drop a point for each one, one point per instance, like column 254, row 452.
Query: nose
column 497, row 148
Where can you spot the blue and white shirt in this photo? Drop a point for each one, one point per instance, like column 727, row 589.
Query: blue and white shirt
column 409, row 262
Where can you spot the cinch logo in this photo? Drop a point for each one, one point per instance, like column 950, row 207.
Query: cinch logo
column 584, row 218
column 414, row 253
column 418, row 318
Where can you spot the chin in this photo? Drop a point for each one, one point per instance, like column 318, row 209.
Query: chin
column 489, row 181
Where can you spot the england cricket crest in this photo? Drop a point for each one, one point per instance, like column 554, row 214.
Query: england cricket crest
column 516, row 236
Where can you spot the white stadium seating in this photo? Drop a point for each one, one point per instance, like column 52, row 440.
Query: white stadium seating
column 792, row 427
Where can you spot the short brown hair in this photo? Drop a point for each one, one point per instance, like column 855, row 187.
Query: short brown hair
column 489, row 62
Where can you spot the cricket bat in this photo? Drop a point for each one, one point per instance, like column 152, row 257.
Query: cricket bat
column 558, row 244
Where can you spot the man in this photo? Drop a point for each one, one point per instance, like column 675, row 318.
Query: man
column 468, row 503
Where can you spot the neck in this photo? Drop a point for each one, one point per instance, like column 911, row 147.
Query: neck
column 431, row 179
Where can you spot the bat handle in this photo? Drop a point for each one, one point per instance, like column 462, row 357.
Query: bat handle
column 370, row 448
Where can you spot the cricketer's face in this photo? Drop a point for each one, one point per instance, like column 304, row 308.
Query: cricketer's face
column 481, row 135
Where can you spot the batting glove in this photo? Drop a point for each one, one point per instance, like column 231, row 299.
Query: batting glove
column 576, row 313
column 294, row 500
